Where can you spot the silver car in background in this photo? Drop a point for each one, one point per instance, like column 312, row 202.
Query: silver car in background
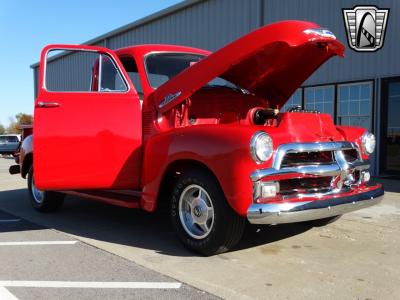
column 9, row 143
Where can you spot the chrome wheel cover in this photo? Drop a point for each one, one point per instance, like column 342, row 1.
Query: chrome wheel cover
column 196, row 211
column 38, row 195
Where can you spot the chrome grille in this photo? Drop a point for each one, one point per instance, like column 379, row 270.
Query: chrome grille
column 307, row 158
column 310, row 168
column 305, row 185
column 351, row 155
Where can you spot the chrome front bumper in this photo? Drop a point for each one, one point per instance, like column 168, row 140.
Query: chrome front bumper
column 291, row 212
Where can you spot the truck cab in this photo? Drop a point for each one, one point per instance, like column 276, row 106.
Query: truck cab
column 201, row 132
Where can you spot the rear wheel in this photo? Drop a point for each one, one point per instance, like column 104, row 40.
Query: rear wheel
column 201, row 215
column 43, row 201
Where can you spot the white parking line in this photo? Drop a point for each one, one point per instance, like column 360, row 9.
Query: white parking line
column 6, row 295
column 91, row 284
column 10, row 220
column 34, row 243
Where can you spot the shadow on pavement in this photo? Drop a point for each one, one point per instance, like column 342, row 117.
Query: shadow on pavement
column 124, row 226
column 9, row 222
column 256, row 235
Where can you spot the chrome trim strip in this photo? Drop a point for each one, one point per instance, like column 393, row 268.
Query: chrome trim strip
column 308, row 147
column 47, row 59
column 100, row 73
column 291, row 212
column 316, row 170
column 322, row 32
column 167, row 99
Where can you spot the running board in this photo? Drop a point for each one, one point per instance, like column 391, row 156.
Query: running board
column 124, row 198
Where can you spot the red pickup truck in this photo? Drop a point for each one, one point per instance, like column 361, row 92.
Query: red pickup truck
column 201, row 132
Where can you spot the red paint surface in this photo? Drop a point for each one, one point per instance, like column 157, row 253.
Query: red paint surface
column 106, row 141
column 270, row 62
column 91, row 140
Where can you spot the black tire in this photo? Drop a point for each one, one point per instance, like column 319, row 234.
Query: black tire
column 226, row 228
column 50, row 201
column 323, row 222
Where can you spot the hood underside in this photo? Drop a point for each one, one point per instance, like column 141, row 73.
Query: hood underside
column 271, row 62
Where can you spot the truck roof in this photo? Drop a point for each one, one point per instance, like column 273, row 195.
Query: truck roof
column 148, row 48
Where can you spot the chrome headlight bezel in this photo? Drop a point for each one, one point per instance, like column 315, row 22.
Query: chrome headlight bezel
column 261, row 147
column 368, row 143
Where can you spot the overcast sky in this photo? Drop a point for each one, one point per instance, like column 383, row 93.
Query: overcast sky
column 27, row 26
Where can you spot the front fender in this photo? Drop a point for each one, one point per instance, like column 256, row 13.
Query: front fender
column 225, row 150
column 353, row 134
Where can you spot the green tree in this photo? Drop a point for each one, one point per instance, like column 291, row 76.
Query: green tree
column 20, row 119
column 24, row 119
column 2, row 129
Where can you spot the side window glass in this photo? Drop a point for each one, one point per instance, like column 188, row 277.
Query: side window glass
column 110, row 77
column 69, row 71
column 82, row 71
column 132, row 70
column 12, row 139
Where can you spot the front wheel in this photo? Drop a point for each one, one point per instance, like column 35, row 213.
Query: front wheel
column 43, row 201
column 201, row 215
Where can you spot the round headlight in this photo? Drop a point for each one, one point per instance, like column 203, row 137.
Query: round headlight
column 368, row 143
column 261, row 147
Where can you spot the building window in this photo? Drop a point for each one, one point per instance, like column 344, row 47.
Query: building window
column 294, row 100
column 320, row 98
column 355, row 104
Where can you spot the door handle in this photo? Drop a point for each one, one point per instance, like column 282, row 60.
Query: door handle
column 44, row 104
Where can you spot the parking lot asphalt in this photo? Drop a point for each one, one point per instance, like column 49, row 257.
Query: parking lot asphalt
column 357, row 257
column 37, row 262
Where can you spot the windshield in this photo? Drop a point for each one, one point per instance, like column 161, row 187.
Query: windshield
column 161, row 67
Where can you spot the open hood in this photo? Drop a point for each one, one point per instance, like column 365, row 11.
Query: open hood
column 271, row 62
